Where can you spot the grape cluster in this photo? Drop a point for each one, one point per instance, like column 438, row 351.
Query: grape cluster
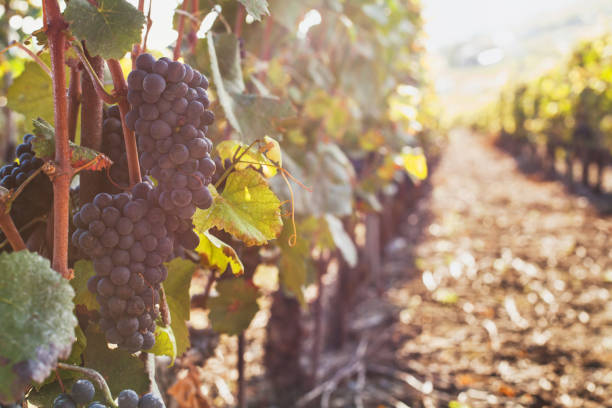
column 83, row 391
column 113, row 145
column 169, row 114
column 126, row 236
column 36, row 199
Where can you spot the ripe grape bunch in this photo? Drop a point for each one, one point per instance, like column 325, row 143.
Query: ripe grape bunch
column 126, row 237
column 83, row 391
column 169, row 114
column 35, row 200
column 113, row 145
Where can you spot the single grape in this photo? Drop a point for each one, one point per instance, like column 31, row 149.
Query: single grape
column 64, row 401
column 82, row 391
column 150, row 401
column 128, row 399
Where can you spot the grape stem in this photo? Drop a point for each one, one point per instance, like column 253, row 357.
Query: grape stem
column 74, row 98
column 128, row 136
column 91, row 129
column 149, row 24
column 10, row 230
column 35, row 57
column 55, row 28
column 94, row 376
column 97, row 82
column 163, row 308
column 237, row 156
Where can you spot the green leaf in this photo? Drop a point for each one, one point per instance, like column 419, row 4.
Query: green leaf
column 342, row 240
column 83, row 270
column 44, row 147
column 176, row 286
column 110, row 29
column 227, row 51
column 295, row 262
column 252, row 116
column 264, row 156
column 247, row 209
column 36, row 312
column 31, row 93
column 233, row 309
column 328, row 173
column 256, row 8
column 216, row 254
column 165, row 343
column 119, row 368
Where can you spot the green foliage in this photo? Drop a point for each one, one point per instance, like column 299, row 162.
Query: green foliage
column 119, row 368
column 246, row 209
column 44, row 146
column 256, row 8
column 252, row 116
column 165, row 343
column 83, row 270
column 31, row 93
column 176, row 287
column 109, row 30
column 295, row 263
column 216, row 254
column 233, row 309
column 36, row 312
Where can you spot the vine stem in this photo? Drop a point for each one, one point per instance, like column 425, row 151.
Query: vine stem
column 97, row 82
column 242, row 403
column 130, row 139
column 91, row 130
column 10, row 231
column 181, row 31
column 240, row 15
column 74, row 98
column 96, row 377
column 35, row 57
column 56, row 26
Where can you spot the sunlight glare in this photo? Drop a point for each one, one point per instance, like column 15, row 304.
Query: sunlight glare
column 311, row 19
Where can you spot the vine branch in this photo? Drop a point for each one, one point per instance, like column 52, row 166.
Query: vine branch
column 97, row 82
column 10, row 231
column 130, row 139
column 96, row 377
column 55, row 28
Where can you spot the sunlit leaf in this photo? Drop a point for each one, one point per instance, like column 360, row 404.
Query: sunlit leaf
column 246, row 209
column 218, row 255
column 165, row 343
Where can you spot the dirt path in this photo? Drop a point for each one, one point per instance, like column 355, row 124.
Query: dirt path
column 509, row 302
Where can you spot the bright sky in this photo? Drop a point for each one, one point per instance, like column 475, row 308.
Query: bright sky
column 449, row 21
column 161, row 34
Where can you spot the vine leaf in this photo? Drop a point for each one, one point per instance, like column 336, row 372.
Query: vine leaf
column 252, row 116
column 331, row 176
column 176, row 286
column 246, row 209
column 44, row 147
column 414, row 162
column 31, row 93
column 119, row 368
column 295, row 263
column 165, row 343
column 218, row 255
column 342, row 240
column 265, row 158
column 83, row 270
column 233, row 309
column 109, row 29
column 256, row 8
column 38, row 322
